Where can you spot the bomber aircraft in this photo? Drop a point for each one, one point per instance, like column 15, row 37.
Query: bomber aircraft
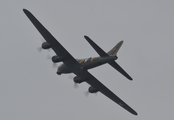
column 80, row 66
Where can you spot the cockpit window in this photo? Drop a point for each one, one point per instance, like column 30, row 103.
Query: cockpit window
column 84, row 60
column 88, row 59
column 81, row 61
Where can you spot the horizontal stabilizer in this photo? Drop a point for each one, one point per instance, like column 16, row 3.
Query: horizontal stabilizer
column 102, row 53
column 118, row 68
column 96, row 47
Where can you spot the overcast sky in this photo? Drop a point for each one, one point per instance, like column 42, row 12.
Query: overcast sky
column 30, row 89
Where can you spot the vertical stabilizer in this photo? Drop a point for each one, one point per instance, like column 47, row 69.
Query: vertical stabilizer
column 115, row 49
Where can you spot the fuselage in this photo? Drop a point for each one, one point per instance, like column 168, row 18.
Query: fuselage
column 87, row 63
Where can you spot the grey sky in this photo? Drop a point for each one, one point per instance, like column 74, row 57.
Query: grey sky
column 30, row 88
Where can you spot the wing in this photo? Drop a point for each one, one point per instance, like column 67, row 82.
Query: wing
column 72, row 63
column 56, row 46
column 102, row 53
column 90, row 79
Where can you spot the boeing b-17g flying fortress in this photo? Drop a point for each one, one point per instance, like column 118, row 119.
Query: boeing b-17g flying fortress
column 80, row 66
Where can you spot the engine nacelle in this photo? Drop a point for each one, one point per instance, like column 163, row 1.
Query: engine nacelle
column 56, row 59
column 92, row 89
column 46, row 45
column 78, row 79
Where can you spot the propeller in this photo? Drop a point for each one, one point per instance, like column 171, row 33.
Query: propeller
column 86, row 93
column 91, row 90
column 76, row 85
column 39, row 49
column 49, row 57
column 96, row 93
column 71, row 76
column 54, row 65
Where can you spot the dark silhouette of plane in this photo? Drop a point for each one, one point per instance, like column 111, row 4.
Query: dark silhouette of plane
column 80, row 66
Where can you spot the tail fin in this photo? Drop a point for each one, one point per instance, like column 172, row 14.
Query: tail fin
column 115, row 49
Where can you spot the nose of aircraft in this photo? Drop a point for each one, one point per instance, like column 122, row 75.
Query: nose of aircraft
column 59, row 73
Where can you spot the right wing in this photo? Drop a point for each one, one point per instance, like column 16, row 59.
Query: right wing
column 56, row 46
column 102, row 53
column 91, row 80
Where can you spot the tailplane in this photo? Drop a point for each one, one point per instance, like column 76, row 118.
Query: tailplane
column 112, row 52
column 115, row 49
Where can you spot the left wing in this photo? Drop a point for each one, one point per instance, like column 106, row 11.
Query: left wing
column 70, row 62
column 90, row 79
column 56, row 46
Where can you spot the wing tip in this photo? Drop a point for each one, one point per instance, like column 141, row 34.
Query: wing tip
column 132, row 111
column 121, row 41
column 25, row 10
column 130, row 79
column 135, row 113
column 86, row 37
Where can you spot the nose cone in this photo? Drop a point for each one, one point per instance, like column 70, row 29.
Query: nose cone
column 63, row 69
column 59, row 73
